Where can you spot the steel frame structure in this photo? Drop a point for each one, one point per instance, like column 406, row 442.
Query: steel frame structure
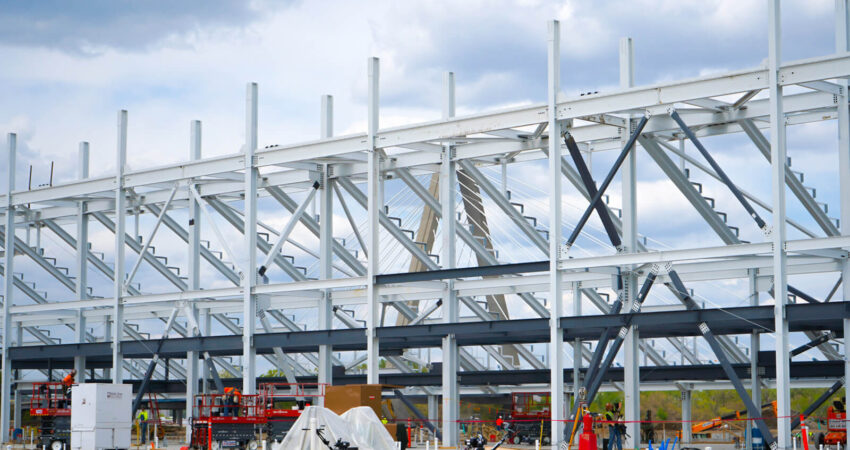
column 213, row 193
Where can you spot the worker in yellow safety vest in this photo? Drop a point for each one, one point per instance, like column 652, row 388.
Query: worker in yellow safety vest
column 143, row 424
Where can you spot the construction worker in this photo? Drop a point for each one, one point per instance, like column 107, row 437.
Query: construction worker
column 499, row 423
column 143, row 425
column 67, row 382
column 384, row 420
column 612, row 416
column 232, row 398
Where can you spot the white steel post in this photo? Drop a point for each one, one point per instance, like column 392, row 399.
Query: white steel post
column 556, row 299
column 631, row 344
column 686, row 416
column 82, row 260
column 451, row 393
column 373, row 208
column 780, row 276
column 577, row 353
column 8, row 290
column 194, row 281
column 249, row 276
column 120, row 234
column 755, row 345
column 842, row 45
column 326, row 247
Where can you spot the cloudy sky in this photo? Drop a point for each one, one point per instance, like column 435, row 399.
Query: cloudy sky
column 67, row 70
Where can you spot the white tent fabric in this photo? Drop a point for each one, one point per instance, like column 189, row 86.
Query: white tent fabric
column 333, row 428
column 368, row 428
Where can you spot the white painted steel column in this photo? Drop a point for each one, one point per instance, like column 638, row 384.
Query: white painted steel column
column 842, row 44
column 631, row 345
column 448, row 193
column 755, row 345
column 194, row 275
column 8, row 290
column 120, row 246
column 82, row 260
column 326, row 237
column 686, row 416
column 249, row 276
column 577, row 353
column 556, row 294
column 374, row 204
column 780, row 275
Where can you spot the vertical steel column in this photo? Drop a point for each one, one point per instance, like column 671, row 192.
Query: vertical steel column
column 632, row 349
column 374, row 203
column 326, row 247
column 448, row 195
column 755, row 346
column 842, row 44
column 82, row 259
column 194, row 281
column 120, row 235
column 556, row 294
column 780, row 275
column 686, row 416
column 8, row 291
column 578, row 357
column 249, row 275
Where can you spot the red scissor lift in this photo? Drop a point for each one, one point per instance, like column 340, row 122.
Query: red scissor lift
column 53, row 408
column 284, row 403
column 218, row 424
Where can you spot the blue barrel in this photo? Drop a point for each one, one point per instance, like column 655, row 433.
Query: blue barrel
column 758, row 440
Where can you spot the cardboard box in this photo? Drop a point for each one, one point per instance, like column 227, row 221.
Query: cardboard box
column 340, row 399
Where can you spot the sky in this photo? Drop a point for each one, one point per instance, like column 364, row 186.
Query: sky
column 67, row 71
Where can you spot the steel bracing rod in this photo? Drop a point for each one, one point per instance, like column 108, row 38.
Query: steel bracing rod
column 818, row 402
column 150, row 239
column 590, row 186
column 610, row 177
column 793, row 182
column 211, row 220
column 719, row 170
column 705, row 330
column 592, row 386
column 143, row 388
column 822, row 339
column 351, row 220
column 290, row 225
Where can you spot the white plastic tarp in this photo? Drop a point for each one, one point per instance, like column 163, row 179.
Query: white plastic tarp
column 333, row 427
column 368, row 428
column 359, row 426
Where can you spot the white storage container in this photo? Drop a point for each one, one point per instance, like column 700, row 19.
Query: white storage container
column 101, row 416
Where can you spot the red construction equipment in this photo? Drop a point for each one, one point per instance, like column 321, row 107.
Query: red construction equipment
column 530, row 416
column 835, row 425
column 284, row 403
column 51, row 403
column 221, row 422
column 587, row 440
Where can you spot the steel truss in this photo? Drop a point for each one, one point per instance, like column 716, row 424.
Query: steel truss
column 468, row 313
